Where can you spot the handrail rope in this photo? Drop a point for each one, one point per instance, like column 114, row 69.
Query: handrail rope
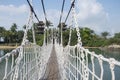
column 70, row 27
column 83, row 64
column 25, row 34
column 30, row 19
column 46, row 21
column 18, row 60
column 13, row 52
column 9, row 54
column 44, row 11
column 72, row 5
column 26, row 29
column 32, row 9
column 76, row 25
column 61, row 14
column 33, row 31
column 111, row 61
column 62, row 11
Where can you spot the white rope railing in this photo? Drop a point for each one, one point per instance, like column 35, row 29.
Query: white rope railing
column 7, row 58
column 75, row 62
column 30, row 63
column 78, row 60
column 31, row 60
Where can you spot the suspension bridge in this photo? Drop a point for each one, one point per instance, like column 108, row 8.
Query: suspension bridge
column 52, row 61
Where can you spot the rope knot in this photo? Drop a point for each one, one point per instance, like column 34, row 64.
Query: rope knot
column 111, row 62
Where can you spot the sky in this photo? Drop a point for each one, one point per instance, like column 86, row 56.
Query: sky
column 99, row 15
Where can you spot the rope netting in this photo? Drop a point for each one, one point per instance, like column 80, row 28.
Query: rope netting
column 78, row 63
column 29, row 61
column 81, row 64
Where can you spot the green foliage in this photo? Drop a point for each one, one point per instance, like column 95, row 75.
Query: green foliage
column 104, row 34
column 117, row 35
column 39, row 39
column 88, row 36
column 65, row 37
column 115, row 39
column 11, row 36
column 73, row 38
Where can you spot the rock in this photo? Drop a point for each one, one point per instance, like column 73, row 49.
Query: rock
column 114, row 46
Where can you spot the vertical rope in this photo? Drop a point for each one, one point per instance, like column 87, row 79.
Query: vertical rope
column 77, row 56
column 33, row 30
column 44, row 42
column 101, row 66
column 6, row 65
column 12, row 66
column 86, row 68
column 93, row 69
column 61, row 34
column 69, row 70
column 36, row 57
column 83, row 64
column 26, row 54
column 72, row 20
column 112, row 68
column 26, row 29
column 24, row 64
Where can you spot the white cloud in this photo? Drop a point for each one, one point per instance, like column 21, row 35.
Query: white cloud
column 11, row 9
column 10, row 14
column 91, row 14
column 53, row 15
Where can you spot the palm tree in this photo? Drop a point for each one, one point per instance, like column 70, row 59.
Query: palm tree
column 13, row 30
column 13, row 27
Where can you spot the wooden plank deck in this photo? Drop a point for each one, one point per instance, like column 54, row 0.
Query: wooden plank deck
column 52, row 71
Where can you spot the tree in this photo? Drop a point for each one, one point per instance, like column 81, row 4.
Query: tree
column 105, row 34
column 13, row 27
column 115, row 39
column 14, row 35
column 20, row 34
column 87, row 36
column 8, row 38
column 2, row 31
column 117, row 35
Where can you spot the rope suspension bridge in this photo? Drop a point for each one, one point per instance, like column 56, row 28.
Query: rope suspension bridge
column 52, row 61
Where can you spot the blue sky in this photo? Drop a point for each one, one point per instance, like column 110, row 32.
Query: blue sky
column 99, row 15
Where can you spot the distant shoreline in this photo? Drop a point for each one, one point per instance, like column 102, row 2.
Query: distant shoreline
column 13, row 47
column 108, row 47
column 8, row 47
column 90, row 47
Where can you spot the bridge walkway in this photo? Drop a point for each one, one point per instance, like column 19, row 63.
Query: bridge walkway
column 52, row 70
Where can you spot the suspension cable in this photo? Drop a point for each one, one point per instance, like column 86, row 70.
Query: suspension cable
column 62, row 11
column 31, row 8
column 72, row 5
column 44, row 10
